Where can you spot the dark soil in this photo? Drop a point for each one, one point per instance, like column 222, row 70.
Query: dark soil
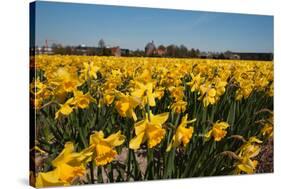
column 265, row 158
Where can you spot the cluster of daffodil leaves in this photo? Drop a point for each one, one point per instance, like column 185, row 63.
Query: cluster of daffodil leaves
column 112, row 119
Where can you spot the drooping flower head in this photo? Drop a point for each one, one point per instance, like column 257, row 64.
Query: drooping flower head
column 89, row 71
column 145, row 93
column 195, row 82
column 68, row 166
column 218, row 131
column 208, row 94
column 149, row 130
column 183, row 134
column 249, row 150
column 79, row 100
column 103, row 148
column 126, row 104
column 179, row 106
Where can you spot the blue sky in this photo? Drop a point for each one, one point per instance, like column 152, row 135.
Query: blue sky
column 129, row 27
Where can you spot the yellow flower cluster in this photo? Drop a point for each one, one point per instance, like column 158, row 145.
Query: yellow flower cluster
column 249, row 150
column 146, row 79
column 154, row 95
column 70, row 166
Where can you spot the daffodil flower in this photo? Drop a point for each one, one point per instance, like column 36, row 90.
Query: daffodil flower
column 208, row 94
column 51, row 178
column 68, row 165
column 144, row 92
column 39, row 87
column 126, row 104
column 145, row 77
column 246, row 165
column 251, row 148
column 177, row 93
column 149, row 130
column 248, row 150
column 182, row 135
column 103, row 148
column 220, row 86
column 246, row 88
column 69, row 85
column 108, row 97
column 68, row 156
column 195, row 82
column 179, row 106
column 65, row 80
column 81, row 100
column 65, row 109
column 89, row 71
column 218, row 131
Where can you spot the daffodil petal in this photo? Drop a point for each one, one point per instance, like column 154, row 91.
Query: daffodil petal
column 136, row 141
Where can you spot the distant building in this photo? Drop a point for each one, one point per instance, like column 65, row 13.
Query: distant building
column 161, row 52
column 203, row 55
column 208, row 55
column 43, row 50
column 125, row 52
column 238, row 56
column 116, row 51
column 234, row 57
column 150, row 49
column 254, row 56
column 81, row 49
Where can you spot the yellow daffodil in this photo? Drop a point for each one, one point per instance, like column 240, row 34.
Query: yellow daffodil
column 68, row 156
column 171, row 79
column 150, row 130
column 195, row 82
column 246, row 88
column 182, row 135
column 218, row 131
column 144, row 92
column 208, row 94
column 246, row 165
column 248, row 150
column 70, row 85
column 89, row 71
column 68, row 165
column 251, row 148
column 179, row 106
column 220, row 86
column 65, row 109
column 126, row 104
column 65, row 80
column 177, row 93
column 81, row 100
column 51, row 178
column 39, row 87
column 103, row 148
column 108, row 97
column 145, row 77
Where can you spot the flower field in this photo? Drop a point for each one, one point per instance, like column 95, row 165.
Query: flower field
column 116, row 119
